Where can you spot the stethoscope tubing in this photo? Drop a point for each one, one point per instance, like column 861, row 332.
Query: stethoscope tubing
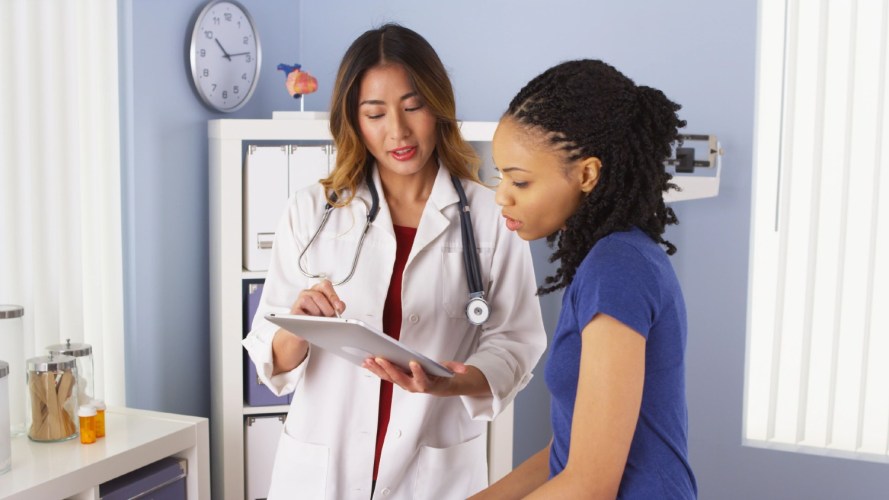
column 328, row 208
column 470, row 256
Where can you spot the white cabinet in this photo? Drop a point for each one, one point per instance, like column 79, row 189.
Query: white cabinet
column 133, row 439
column 228, row 144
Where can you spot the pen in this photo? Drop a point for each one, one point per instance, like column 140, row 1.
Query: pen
column 323, row 277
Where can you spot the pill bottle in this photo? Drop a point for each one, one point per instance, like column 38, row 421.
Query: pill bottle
column 83, row 353
column 52, row 398
column 5, row 439
column 87, row 416
column 12, row 350
column 99, row 405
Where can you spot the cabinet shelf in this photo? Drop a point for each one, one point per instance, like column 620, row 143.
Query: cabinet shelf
column 252, row 275
column 265, row 410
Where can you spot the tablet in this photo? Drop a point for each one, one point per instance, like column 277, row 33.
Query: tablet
column 355, row 341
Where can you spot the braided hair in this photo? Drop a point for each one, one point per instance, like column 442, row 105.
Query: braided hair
column 587, row 108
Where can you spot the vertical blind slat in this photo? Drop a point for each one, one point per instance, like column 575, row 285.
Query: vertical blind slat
column 787, row 173
column 874, row 398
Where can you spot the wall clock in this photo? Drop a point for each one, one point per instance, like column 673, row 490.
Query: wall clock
column 225, row 55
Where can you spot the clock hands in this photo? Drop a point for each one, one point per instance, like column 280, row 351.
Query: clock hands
column 224, row 53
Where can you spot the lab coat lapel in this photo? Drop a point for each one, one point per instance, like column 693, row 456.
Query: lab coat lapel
column 433, row 222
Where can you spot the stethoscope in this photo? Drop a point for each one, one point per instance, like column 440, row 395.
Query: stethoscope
column 477, row 309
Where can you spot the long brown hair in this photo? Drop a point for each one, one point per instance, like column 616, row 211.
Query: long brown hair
column 392, row 44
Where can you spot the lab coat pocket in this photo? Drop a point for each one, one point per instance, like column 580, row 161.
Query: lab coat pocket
column 300, row 470
column 454, row 472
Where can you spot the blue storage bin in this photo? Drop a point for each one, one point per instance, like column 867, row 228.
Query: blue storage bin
column 161, row 480
column 255, row 392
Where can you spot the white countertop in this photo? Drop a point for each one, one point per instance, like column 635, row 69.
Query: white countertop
column 133, row 439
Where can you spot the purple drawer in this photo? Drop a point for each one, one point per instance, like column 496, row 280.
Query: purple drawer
column 255, row 392
column 164, row 479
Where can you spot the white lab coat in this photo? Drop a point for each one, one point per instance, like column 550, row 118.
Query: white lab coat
column 435, row 447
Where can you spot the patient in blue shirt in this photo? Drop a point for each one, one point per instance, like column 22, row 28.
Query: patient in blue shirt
column 628, row 277
column 580, row 151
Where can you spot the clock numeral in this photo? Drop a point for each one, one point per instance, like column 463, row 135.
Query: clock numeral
column 203, row 52
column 216, row 21
column 225, row 94
column 206, row 72
column 249, row 58
column 228, row 16
column 214, row 87
column 208, row 34
column 236, row 90
column 243, row 76
column 246, row 40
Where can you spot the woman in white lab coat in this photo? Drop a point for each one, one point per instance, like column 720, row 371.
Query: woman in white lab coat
column 356, row 432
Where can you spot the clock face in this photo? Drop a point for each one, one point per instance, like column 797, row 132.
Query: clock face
column 225, row 55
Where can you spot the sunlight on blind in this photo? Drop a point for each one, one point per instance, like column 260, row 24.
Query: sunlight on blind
column 60, row 251
column 818, row 308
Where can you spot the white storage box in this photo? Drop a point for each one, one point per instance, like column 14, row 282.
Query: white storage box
column 271, row 175
column 261, row 435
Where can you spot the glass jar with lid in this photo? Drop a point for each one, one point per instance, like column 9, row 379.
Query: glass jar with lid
column 83, row 354
column 52, row 398
column 5, row 439
column 12, row 349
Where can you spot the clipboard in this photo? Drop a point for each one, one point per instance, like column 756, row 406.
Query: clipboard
column 355, row 341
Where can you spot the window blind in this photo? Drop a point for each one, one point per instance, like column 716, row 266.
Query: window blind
column 817, row 366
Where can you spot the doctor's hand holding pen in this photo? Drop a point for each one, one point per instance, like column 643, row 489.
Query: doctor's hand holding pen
column 320, row 300
column 290, row 350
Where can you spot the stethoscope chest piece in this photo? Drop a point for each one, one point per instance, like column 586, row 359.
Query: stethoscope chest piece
column 477, row 310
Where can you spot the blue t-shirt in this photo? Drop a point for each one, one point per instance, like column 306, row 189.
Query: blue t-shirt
column 628, row 276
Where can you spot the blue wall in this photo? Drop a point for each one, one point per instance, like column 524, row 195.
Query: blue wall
column 700, row 53
column 165, row 196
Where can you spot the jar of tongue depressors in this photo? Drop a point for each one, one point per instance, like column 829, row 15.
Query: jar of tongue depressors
column 52, row 398
column 83, row 355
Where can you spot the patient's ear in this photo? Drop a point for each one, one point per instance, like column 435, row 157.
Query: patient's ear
column 589, row 173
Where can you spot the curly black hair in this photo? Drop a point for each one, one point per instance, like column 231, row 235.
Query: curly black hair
column 587, row 108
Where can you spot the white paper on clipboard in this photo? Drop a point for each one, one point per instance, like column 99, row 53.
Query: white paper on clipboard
column 355, row 341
